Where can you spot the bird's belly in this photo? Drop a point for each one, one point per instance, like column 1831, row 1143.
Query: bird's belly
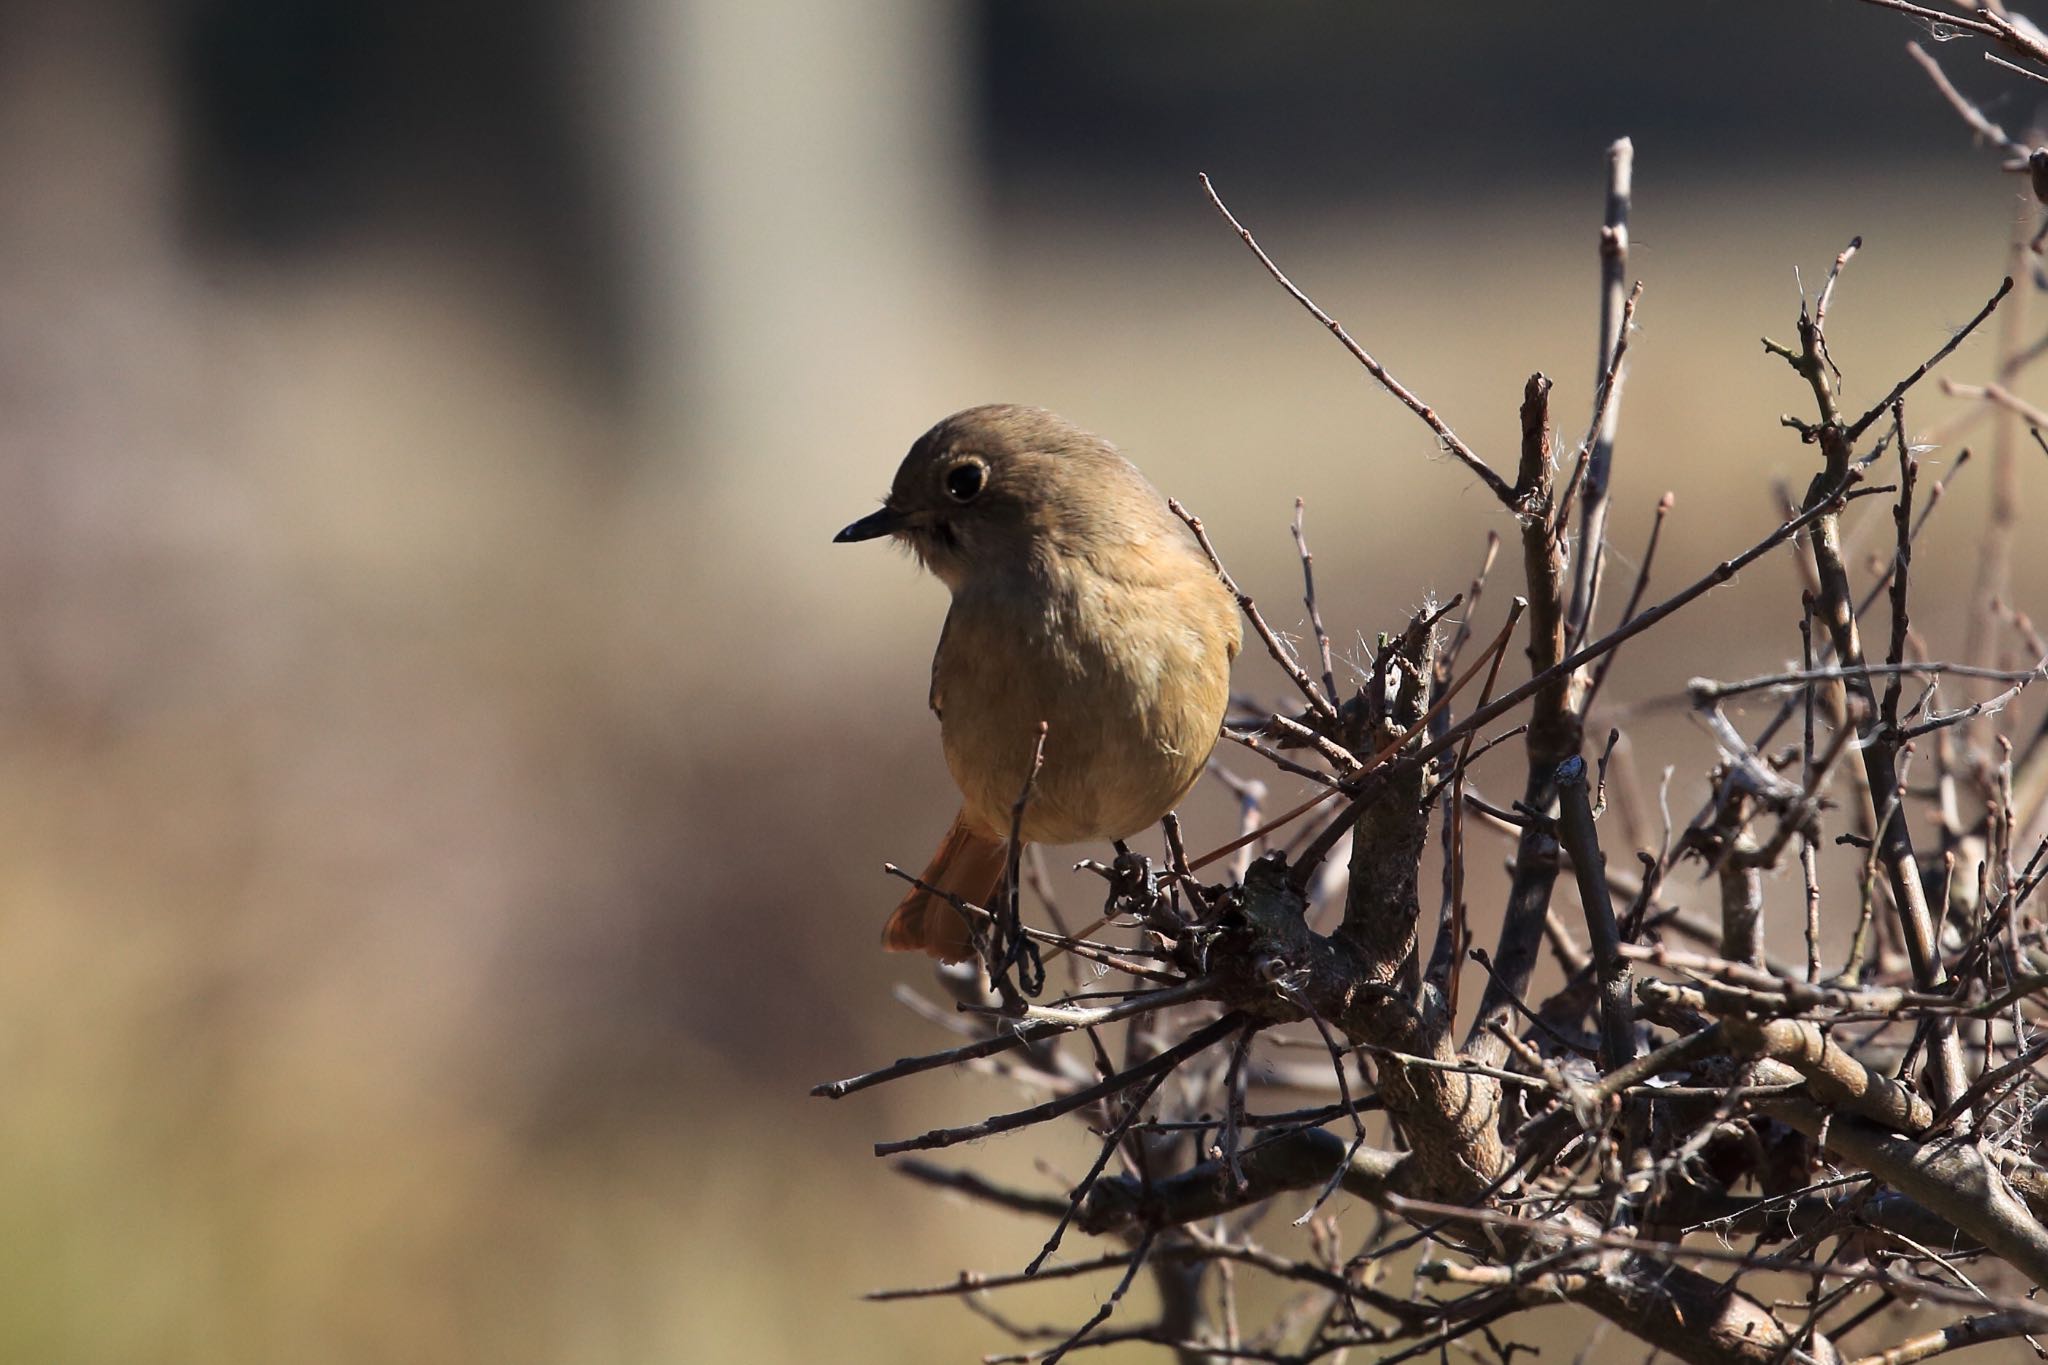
column 1128, row 727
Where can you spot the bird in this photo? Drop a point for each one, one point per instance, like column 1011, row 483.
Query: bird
column 1081, row 602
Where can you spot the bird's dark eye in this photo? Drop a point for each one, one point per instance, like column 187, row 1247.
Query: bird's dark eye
column 964, row 480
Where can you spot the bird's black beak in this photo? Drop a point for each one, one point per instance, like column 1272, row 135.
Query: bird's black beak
column 886, row 522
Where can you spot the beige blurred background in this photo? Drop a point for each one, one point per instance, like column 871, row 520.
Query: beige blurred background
column 445, row 767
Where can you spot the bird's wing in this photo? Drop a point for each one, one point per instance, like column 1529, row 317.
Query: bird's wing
column 933, row 697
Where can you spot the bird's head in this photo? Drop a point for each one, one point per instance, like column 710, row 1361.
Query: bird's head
column 996, row 489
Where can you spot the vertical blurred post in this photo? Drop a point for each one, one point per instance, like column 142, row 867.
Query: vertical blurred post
column 795, row 200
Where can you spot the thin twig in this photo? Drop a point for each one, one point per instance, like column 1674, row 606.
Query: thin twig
column 1165, row 1061
column 1464, row 453
column 1315, row 613
column 1049, row 1023
column 1635, row 594
column 1862, row 424
column 1615, row 319
column 1282, row 653
column 1575, row 825
column 1970, row 113
column 1628, row 630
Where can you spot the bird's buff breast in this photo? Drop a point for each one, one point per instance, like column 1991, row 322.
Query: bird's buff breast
column 1131, row 683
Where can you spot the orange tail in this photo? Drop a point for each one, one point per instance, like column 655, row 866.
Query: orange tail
column 969, row 865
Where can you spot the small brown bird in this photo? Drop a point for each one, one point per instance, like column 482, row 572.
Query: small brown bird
column 1079, row 600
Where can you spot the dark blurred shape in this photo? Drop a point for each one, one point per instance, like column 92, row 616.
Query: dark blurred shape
column 1315, row 99
column 310, row 123
column 275, row 98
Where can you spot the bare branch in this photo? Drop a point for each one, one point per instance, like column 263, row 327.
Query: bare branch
column 1616, row 315
column 1464, row 453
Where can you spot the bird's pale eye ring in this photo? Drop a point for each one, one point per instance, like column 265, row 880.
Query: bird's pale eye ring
column 963, row 481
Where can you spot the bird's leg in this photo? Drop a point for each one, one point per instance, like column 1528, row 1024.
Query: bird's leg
column 1137, row 890
column 1131, row 879
column 1010, row 948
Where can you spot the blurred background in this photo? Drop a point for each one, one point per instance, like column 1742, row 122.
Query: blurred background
column 445, row 767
